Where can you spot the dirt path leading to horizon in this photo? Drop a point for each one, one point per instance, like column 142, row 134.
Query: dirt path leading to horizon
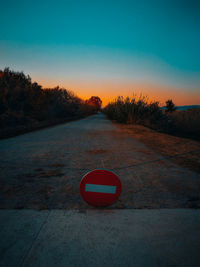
column 43, row 169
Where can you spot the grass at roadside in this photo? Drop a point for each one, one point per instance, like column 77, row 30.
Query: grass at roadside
column 167, row 145
column 140, row 111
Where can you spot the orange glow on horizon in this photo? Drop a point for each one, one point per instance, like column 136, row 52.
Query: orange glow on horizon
column 109, row 91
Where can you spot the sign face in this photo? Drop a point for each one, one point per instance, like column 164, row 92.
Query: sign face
column 100, row 188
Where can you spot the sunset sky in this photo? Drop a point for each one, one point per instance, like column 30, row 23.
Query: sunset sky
column 106, row 48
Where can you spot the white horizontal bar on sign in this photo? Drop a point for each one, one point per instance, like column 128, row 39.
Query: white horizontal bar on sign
column 99, row 188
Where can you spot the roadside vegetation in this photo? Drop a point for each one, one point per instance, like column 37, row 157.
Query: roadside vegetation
column 26, row 106
column 138, row 110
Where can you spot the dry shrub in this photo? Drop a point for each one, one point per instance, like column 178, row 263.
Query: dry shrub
column 138, row 110
column 187, row 122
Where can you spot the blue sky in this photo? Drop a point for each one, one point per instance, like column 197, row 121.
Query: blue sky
column 90, row 43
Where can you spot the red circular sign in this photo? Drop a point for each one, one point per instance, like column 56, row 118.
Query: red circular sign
column 100, row 188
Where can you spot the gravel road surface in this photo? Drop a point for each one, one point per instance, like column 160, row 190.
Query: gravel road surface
column 43, row 169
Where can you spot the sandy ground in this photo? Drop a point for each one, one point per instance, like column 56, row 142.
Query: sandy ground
column 43, row 169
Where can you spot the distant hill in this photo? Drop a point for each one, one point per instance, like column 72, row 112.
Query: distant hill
column 185, row 107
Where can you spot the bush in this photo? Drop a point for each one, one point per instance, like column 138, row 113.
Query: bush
column 187, row 123
column 139, row 111
column 23, row 101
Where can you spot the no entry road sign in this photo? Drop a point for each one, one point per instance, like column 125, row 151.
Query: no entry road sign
column 100, row 188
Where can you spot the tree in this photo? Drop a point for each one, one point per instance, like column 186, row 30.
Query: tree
column 23, row 101
column 170, row 106
column 94, row 101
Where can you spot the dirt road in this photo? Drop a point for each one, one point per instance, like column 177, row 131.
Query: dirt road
column 43, row 169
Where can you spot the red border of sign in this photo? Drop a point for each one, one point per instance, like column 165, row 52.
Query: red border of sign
column 96, row 198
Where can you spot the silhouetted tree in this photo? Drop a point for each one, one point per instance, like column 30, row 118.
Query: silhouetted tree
column 94, row 101
column 170, row 106
column 22, row 100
